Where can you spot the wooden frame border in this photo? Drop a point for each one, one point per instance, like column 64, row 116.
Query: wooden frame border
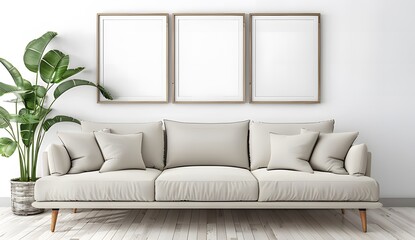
column 98, row 54
column 174, row 55
column 319, row 56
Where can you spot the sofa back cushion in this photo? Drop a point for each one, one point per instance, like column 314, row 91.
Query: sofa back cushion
column 198, row 144
column 153, row 138
column 259, row 137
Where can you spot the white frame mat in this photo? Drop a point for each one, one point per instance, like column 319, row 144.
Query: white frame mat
column 209, row 58
column 133, row 56
column 285, row 58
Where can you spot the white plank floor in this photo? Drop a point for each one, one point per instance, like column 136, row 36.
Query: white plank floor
column 384, row 223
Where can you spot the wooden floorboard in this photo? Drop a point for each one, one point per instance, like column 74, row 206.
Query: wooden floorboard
column 96, row 224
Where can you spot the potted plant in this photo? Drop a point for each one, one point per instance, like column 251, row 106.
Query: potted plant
column 28, row 124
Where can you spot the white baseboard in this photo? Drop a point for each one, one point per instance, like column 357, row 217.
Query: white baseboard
column 387, row 202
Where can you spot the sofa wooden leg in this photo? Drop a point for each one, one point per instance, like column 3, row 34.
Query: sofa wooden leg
column 54, row 218
column 363, row 219
column 342, row 211
column 74, row 210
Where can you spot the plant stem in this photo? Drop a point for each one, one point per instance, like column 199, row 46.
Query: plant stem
column 28, row 163
column 44, row 97
column 41, row 135
column 33, row 166
column 19, row 149
column 21, row 167
column 35, row 99
column 21, row 154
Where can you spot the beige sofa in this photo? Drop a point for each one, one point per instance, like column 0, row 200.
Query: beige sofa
column 177, row 178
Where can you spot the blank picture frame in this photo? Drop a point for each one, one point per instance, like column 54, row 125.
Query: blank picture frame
column 209, row 58
column 133, row 57
column 285, row 58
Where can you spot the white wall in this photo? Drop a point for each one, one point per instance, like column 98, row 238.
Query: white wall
column 368, row 70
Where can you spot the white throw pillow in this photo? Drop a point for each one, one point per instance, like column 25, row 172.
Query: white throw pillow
column 198, row 144
column 356, row 160
column 292, row 152
column 120, row 151
column 330, row 151
column 58, row 159
column 83, row 150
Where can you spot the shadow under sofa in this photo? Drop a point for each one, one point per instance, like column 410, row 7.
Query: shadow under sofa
column 172, row 182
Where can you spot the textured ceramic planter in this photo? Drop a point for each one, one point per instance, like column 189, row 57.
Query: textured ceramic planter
column 23, row 197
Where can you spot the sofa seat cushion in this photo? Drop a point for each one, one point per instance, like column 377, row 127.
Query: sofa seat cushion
column 285, row 185
column 125, row 185
column 206, row 183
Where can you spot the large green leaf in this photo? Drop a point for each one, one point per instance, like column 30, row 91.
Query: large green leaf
column 4, row 118
column 29, row 123
column 6, row 88
column 69, row 73
column 26, row 85
column 104, row 92
column 17, row 77
column 27, row 133
column 40, row 91
column 25, row 118
column 24, row 111
column 7, row 147
column 57, row 119
column 34, row 51
column 65, row 86
column 61, row 69
column 29, row 99
column 53, row 65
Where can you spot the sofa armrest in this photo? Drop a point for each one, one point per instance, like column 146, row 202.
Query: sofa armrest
column 356, row 161
column 369, row 164
column 58, row 160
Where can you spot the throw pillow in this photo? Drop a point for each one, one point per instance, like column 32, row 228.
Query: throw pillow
column 330, row 151
column 83, row 151
column 120, row 151
column 58, row 160
column 292, row 152
column 356, row 160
